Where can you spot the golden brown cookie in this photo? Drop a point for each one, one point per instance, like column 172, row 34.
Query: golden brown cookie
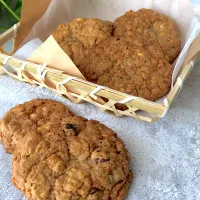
column 153, row 26
column 80, row 34
column 130, row 65
column 72, row 159
column 28, row 117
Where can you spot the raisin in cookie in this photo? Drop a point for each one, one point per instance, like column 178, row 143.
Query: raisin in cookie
column 28, row 117
column 153, row 26
column 72, row 159
column 80, row 34
column 130, row 65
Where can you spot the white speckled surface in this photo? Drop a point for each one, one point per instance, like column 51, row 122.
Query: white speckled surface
column 165, row 155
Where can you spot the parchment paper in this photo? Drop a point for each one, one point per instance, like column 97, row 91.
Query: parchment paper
column 31, row 12
column 64, row 10
column 51, row 53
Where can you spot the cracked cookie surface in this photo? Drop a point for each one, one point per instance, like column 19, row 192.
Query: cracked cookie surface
column 80, row 34
column 153, row 26
column 28, row 117
column 73, row 159
column 129, row 64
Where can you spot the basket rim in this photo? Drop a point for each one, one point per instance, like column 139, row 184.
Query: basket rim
column 155, row 108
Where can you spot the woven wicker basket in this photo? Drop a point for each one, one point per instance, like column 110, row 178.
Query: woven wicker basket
column 64, row 84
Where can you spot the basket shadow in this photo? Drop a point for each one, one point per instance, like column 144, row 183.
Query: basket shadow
column 189, row 97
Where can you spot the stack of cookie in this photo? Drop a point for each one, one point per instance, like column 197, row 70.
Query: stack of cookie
column 132, row 55
column 58, row 155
